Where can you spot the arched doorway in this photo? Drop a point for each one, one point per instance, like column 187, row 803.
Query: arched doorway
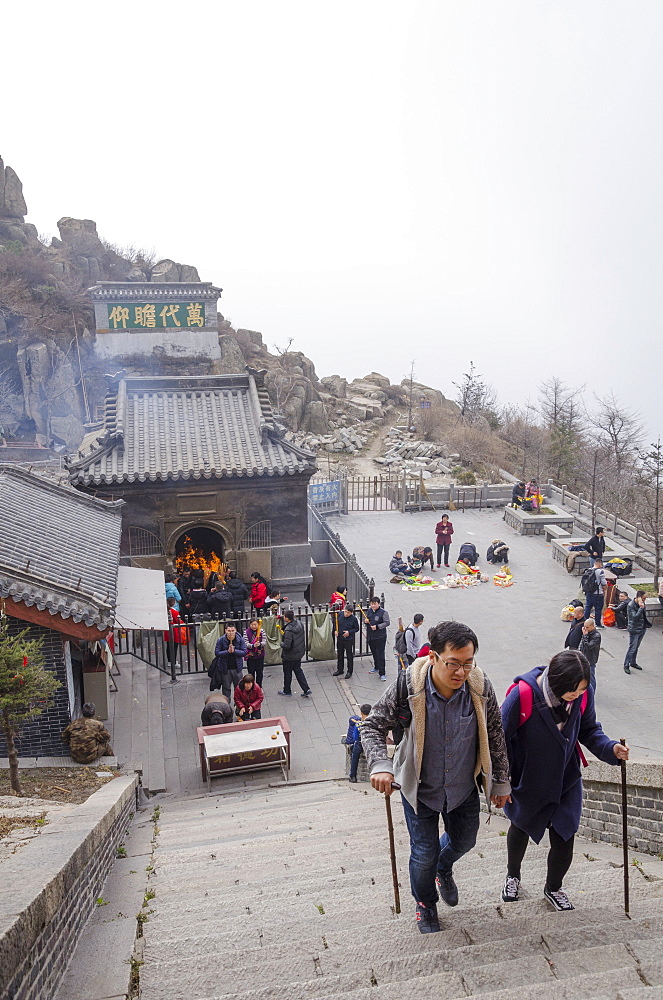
column 201, row 549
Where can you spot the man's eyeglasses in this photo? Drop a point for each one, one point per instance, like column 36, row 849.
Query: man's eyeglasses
column 454, row 665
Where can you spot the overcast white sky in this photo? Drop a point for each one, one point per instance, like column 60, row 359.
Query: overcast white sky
column 382, row 181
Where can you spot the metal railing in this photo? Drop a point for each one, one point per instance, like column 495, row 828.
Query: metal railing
column 360, row 587
column 153, row 648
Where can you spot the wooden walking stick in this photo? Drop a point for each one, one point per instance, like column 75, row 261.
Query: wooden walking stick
column 622, row 765
column 392, row 848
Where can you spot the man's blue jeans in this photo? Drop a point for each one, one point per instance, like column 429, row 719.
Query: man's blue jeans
column 430, row 853
column 634, row 640
column 594, row 601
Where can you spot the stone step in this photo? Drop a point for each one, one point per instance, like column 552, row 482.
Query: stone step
column 642, row 993
column 483, row 966
column 493, row 922
column 479, row 944
column 440, row 985
column 326, row 886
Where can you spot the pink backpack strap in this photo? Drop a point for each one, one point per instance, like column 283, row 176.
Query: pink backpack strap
column 526, row 696
column 583, row 706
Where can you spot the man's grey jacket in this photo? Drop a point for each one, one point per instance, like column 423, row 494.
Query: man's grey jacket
column 491, row 771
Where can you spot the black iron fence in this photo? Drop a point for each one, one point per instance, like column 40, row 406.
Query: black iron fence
column 176, row 658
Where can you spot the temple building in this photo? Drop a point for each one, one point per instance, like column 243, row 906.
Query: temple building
column 59, row 556
column 206, row 475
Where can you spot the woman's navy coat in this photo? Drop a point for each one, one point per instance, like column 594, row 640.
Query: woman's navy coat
column 546, row 787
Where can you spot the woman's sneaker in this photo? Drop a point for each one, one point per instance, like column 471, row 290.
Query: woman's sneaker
column 427, row 920
column 510, row 889
column 558, row 899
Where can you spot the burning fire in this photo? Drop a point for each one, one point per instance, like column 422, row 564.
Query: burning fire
column 196, row 560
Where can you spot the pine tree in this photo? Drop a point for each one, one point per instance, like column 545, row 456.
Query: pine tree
column 25, row 689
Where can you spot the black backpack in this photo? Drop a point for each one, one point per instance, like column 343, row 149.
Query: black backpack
column 400, row 642
column 588, row 581
column 403, row 710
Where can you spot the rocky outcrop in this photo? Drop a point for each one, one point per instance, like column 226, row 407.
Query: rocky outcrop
column 50, row 395
column 12, row 202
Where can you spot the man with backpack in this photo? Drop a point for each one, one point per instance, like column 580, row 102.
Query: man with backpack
column 452, row 744
column 593, row 583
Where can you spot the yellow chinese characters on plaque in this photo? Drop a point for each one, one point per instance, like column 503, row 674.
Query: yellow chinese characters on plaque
column 149, row 316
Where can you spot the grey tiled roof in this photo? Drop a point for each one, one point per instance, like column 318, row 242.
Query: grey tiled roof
column 59, row 549
column 200, row 427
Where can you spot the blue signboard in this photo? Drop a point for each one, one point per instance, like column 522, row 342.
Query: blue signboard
column 321, row 493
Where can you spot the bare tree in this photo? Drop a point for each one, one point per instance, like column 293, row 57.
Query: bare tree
column 650, row 499
column 620, row 431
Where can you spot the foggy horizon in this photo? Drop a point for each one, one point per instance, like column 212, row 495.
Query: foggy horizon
column 440, row 183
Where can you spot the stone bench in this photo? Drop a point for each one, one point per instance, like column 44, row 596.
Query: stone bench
column 551, row 531
column 526, row 523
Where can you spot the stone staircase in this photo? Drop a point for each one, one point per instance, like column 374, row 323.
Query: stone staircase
column 286, row 892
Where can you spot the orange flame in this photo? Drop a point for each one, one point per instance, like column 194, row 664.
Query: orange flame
column 196, row 560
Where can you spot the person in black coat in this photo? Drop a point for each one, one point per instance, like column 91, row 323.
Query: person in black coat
column 468, row 553
column 621, row 616
column 239, row 593
column 219, row 602
column 197, row 598
column 293, row 650
column 545, row 766
column 347, row 627
column 517, row 494
column 217, row 710
column 590, row 647
column 596, row 544
column 575, row 629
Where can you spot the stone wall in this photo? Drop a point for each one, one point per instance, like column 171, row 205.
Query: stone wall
column 40, row 737
column 602, row 810
column 55, row 881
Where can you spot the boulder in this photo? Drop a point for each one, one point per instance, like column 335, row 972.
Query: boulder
column 380, row 380
column 232, row 360
column 336, row 385
column 169, row 270
column 12, row 202
column 317, row 418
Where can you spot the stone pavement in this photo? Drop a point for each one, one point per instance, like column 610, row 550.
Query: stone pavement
column 153, row 723
column 518, row 627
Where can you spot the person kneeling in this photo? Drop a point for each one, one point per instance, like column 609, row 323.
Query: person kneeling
column 217, row 710
column 248, row 699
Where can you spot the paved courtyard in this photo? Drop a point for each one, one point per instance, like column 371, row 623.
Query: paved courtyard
column 519, row 627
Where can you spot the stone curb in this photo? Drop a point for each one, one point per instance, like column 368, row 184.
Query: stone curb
column 36, row 882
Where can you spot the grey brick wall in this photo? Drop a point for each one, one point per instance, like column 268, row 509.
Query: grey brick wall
column 602, row 815
column 38, row 948
column 40, row 737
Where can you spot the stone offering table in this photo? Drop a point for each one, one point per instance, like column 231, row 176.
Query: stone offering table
column 527, row 523
column 244, row 746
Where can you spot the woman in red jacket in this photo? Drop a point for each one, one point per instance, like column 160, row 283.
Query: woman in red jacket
column 248, row 699
column 444, row 529
column 258, row 592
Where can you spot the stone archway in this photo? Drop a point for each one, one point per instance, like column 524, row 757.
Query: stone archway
column 201, row 548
